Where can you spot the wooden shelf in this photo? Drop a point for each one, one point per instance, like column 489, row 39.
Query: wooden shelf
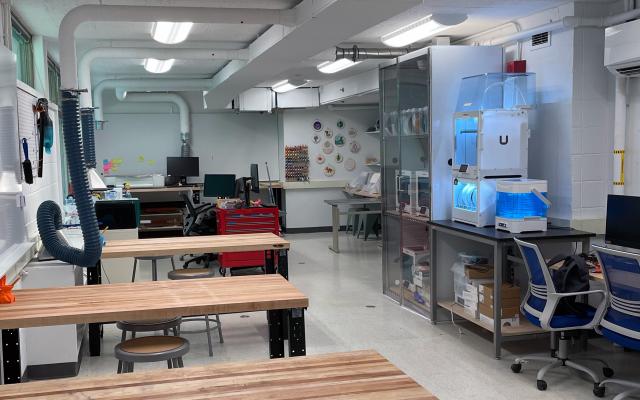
column 361, row 194
column 413, row 218
column 525, row 327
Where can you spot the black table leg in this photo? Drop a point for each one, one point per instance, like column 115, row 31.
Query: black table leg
column 94, row 277
column 269, row 262
column 11, row 369
column 283, row 263
column 276, row 333
column 297, row 341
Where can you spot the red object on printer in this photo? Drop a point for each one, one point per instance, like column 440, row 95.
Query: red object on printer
column 6, row 295
column 517, row 66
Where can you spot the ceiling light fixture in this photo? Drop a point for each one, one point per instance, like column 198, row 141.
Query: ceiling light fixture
column 422, row 29
column 288, row 85
column 158, row 66
column 170, row 32
column 331, row 67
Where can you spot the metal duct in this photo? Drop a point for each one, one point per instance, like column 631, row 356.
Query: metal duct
column 356, row 53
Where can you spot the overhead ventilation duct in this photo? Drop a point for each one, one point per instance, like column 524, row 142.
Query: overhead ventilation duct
column 183, row 109
column 356, row 53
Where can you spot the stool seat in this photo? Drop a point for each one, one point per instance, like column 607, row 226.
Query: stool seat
column 191, row 273
column 150, row 258
column 152, row 348
column 149, row 325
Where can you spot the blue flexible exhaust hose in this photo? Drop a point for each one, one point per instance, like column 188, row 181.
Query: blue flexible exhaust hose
column 49, row 217
column 88, row 136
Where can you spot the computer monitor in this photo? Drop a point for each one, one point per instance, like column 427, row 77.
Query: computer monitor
column 623, row 221
column 255, row 182
column 182, row 167
column 219, row 185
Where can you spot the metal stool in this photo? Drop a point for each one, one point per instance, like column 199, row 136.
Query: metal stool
column 152, row 349
column 147, row 326
column 154, row 265
column 199, row 273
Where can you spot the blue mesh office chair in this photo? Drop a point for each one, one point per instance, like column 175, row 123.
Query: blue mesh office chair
column 539, row 307
column 621, row 322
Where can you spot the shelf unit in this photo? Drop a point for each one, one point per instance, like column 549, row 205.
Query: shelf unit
column 525, row 327
column 418, row 95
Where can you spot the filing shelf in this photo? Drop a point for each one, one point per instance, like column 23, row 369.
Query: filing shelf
column 525, row 327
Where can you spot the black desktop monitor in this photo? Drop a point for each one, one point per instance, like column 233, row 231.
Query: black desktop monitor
column 182, row 167
column 623, row 221
column 255, row 182
column 220, row 185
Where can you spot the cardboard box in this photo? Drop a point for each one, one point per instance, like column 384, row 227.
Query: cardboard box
column 515, row 321
column 470, row 297
column 507, row 312
column 472, row 310
column 477, row 271
column 508, row 291
column 506, row 303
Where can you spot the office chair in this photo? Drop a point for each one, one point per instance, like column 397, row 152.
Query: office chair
column 539, row 307
column 195, row 224
column 621, row 322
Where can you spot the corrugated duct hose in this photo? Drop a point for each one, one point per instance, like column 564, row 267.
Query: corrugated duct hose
column 88, row 136
column 49, row 216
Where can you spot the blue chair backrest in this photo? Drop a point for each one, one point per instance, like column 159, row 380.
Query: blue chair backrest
column 621, row 271
column 539, row 275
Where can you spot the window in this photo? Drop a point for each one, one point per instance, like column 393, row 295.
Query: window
column 21, row 47
column 54, row 81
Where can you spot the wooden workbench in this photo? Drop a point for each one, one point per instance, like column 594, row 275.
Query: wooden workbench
column 349, row 376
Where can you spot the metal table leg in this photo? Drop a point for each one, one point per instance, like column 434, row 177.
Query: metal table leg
column 297, row 342
column 269, row 263
column 433, row 244
column 94, row 277
column 276, row 333
column 283, row 263
column 498, row 254
column 11, row 367
column 335, row 221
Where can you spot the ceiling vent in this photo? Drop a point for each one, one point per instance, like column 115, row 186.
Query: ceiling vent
column 540, row 40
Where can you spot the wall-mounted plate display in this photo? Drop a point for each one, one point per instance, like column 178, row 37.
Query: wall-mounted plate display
column 353, row 132
column 317, row 125
column 339, row 140
column 328, row 133
column 316, row 138
column 339, row 158
column 340, row 124
column 327, row 147
column 354, row 147
column 329, row 170
column 320, row 159
column 350, row 164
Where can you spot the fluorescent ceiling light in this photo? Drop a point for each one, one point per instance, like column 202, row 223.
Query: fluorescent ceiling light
column 422, row 29
column 170, row 32
column 158, row 66
column 288, row 85
column 331, row 67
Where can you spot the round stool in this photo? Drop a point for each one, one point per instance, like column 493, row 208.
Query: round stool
column 199, row 273
column 152, row 349
column 147, row 326
column 154, row 265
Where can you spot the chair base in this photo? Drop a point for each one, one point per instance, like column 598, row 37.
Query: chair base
column 561, row 359
column 634, row 387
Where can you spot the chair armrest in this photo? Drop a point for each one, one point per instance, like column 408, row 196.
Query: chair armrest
column 560, row 295
column 552, row 303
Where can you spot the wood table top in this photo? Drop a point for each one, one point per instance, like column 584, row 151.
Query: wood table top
column 172, row 246
column 149, row 300
column 346, row 376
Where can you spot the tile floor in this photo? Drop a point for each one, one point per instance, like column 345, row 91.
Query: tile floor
column 342, row 288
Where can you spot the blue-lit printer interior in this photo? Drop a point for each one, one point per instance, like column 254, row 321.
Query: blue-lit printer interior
column 465, row 195
column 466, row 141
column 520, row 205
column 494, row 91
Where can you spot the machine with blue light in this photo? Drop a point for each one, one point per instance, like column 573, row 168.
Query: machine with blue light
column 521, row 205
column 491, row 134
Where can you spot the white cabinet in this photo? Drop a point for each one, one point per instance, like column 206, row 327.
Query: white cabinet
column 366, row 82
column 255, row 99
column 299, row 98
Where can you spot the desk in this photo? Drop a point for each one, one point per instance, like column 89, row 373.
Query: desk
column 355, row 376
column 165, row 189
column 335, row 214
column 500, row 242
column 163, row 300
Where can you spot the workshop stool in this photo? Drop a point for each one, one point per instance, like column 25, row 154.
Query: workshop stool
column 368, row 224
column 154, row 265
column 353, row 220
column 152, row 349
column 147, row 326
column 199, row 273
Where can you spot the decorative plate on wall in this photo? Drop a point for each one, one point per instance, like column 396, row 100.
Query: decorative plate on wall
column 329, row 170
column 350, row 164
column 327, row 147
column 340, row 124
column 317, row 125
column 339, row 158
column 354, row 147
column 316, row 138
column 328, row 133
column 353, row 132
column 320, row 159
column 339, row 140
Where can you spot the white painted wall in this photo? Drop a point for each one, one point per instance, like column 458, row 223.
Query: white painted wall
column 632, row 152
column 306, row 207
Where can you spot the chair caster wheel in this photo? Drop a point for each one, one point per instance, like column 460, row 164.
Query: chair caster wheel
column 542, row 385
column 607, row 372
column 516, row 368
column 598, row 390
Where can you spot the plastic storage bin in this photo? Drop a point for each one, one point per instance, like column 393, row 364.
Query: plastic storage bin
column 495, row 91
column 521, row 205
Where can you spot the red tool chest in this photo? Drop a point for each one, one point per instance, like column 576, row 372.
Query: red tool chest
column 245, row 220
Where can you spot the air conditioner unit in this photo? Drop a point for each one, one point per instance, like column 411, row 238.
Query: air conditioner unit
column 622, row 49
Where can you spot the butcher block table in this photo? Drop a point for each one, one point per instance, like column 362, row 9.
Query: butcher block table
column 348, row 376
column 166, row 299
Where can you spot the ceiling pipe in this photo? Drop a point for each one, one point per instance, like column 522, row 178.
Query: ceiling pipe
column 84, row 65
column 154, row 85
column 356, row 53
column 106, row 13
column 174, row 98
